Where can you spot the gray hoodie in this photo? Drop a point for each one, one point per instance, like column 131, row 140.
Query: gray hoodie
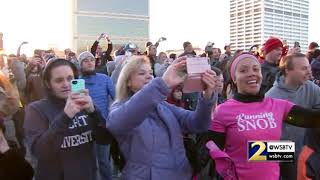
column 307, row 96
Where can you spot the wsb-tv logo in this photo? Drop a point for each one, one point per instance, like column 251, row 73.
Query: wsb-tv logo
column 271, row 151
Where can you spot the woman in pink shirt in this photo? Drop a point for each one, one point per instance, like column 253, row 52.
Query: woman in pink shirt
column 251, row 116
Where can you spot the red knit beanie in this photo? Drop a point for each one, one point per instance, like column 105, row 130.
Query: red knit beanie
column 272, row 44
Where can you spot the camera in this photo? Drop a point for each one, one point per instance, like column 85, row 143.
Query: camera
column 74, row 82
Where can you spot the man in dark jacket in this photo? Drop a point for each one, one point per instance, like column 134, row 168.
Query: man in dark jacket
column 273, row 53
column 102, row 57
column 312, row 47
column 152, row 55
column 188, row 49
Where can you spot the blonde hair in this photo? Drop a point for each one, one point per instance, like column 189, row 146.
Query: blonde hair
column 132, row 64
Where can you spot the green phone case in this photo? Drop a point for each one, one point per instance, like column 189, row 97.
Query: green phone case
column 77, row 85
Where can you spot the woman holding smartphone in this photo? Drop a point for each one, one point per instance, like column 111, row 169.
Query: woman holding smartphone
column 60, row 130
column 148, row 129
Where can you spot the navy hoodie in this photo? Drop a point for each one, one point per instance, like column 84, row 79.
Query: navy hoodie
column 62, row 146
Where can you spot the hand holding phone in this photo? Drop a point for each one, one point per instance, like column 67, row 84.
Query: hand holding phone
column 83, row 100
column 195, row 68
column 106, row 36
column 175, row 73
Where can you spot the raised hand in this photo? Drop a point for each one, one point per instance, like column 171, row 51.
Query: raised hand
column 101, row 36
column 209, row 79
column 84, row 100
column 106, row 36
column 72, row 107
column 175, row 73
column 24, row 43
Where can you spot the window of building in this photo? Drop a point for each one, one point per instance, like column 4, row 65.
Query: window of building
column 89, row 26
column 268, row 9
column 249, row 16
column 296, row 15
column 287, row 13
column 115, row 6
column 249, row 11
column 257, row 10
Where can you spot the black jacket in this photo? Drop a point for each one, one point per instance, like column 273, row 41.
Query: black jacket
column 13, row 166
column 106, row 57
column 269, row 72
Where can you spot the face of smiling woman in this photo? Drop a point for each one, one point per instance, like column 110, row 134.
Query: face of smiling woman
column 140, row 78
column 248, row 77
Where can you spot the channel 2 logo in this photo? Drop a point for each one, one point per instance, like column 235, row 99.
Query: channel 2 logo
column 271, row 151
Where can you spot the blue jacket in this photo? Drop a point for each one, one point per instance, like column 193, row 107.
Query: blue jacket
column 100, row 88
column 149, row 133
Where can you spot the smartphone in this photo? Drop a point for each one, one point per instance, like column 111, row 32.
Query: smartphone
column 77, row 85
column 195, row 67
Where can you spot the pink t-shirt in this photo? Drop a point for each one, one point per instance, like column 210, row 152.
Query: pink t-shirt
column 242, row 122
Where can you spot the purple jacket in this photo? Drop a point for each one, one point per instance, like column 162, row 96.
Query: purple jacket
column 149, row 133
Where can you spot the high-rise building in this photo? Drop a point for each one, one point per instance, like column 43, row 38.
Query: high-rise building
column 254, row 21
column 123, row 20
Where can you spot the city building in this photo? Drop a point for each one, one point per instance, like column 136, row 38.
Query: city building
column 254, row 21
column 123, row 20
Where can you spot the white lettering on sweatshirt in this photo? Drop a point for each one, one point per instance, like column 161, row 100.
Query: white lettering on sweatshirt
column 256, row 121
column 76, row 140
column 79, row 121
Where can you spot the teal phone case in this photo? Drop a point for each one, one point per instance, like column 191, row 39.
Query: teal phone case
column 77, row 85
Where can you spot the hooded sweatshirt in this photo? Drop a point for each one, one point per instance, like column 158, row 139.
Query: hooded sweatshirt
column 63, row 146
column 307, row 96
